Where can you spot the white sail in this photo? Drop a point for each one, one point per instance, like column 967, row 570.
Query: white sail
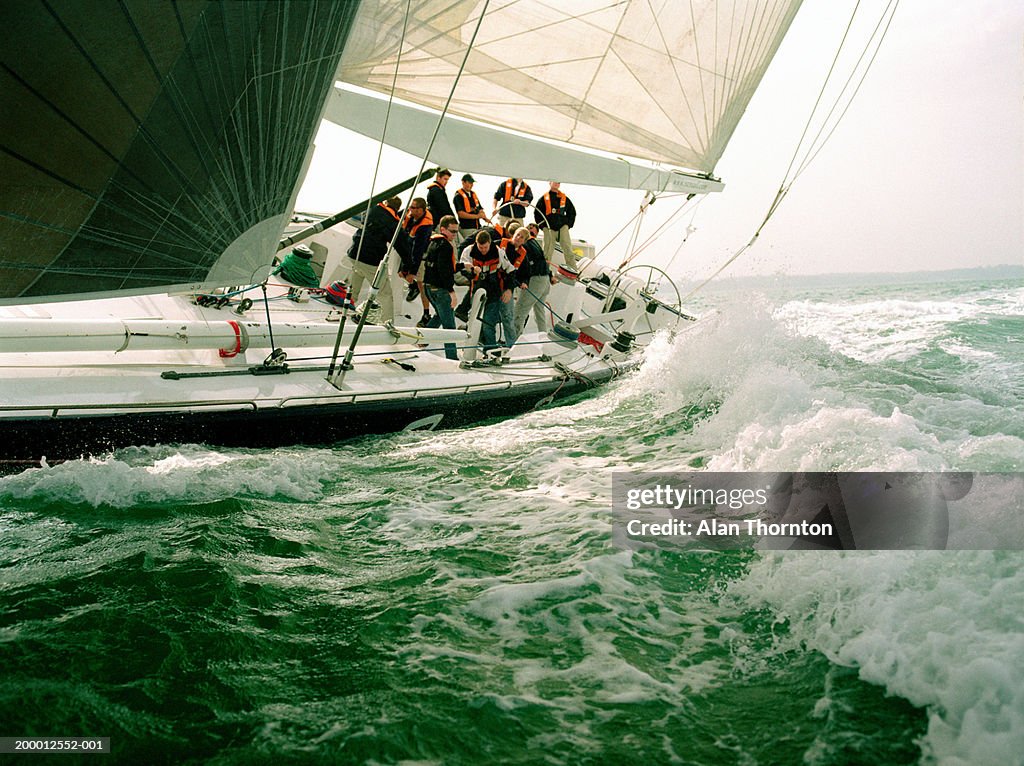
column 657, row 80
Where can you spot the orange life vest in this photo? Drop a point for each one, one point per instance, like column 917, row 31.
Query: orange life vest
column 520, row 191
column 470, row 202
column 520, row 252
column 547, row 202
column 427, row 220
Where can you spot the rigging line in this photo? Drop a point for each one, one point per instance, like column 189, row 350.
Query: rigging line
column 821, row 94
column 664, row 225
column 811, row 151
column 784, row 188
column 804, row 165
column 384, row 130
column 630, row 251
column 652, row 237
column 616, row 235
column 382, row 267
column 689, row 231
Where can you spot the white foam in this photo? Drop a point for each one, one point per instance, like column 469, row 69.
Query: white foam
column 942, row 629
column 188, row 474
column 877, row 330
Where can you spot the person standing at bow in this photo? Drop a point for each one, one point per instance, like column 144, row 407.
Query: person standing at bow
column 371, row 245
column 511, row 199
column 468, row 208
column 555, row 215
column 419, row 226
column 437, row 197
column 439, row 268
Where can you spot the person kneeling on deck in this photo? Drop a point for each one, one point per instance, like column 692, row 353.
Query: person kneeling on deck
column 370, row 246
column 439, row 267
column 497, row 232
column 485, row 263
column 555, row 214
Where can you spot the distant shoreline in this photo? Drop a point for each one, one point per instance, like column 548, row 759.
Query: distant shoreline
column 979, row 273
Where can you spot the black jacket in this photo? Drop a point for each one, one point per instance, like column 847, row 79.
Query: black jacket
column 535, row 257
column 441, row 265
column 420, row 232
column 520, row 189
column 554, row 211
column 376, row 234
column 437, row 202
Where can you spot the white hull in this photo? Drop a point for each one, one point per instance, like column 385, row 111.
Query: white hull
column 84, row 376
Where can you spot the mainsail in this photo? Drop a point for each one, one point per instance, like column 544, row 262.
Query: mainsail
column 143, row 141
column 158, row 146
column 659, row 80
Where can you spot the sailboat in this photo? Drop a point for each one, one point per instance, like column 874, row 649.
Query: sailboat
column 152, row 158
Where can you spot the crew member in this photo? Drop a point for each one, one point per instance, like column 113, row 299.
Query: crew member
column 555, row 215
column 468, row 208
column 517, row 276
column 439, row 268
column 535, row 294
column 484, row 261
column 511, row 199
column 437, row 197
column 370, row 246
column 419, row 225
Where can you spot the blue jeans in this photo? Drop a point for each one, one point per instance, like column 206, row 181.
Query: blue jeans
column 495, row 313
column 490, row 319
column 443, row 315
column 508, row 322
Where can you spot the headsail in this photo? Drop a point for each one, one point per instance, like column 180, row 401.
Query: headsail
column 144, row 141
column 653, row 79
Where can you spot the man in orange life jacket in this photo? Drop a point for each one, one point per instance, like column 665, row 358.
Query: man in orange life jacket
column 419, row 226
column 483, row 261
column 511, row 199
column 555, row 215
column 370, row 246
column 437, row 197
column 468, row 208
column 497, row 233
column 439, row 268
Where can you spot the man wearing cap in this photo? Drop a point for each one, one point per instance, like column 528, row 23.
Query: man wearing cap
column 370, row 246
column 437, row 198
column 555, row 215
column 468, row 208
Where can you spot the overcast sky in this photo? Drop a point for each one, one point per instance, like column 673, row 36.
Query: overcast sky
column 925, row 172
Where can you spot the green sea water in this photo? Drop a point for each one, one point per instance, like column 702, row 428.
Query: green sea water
column 455, row 597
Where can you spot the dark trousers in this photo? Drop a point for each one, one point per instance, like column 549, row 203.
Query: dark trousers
column 443, row 315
